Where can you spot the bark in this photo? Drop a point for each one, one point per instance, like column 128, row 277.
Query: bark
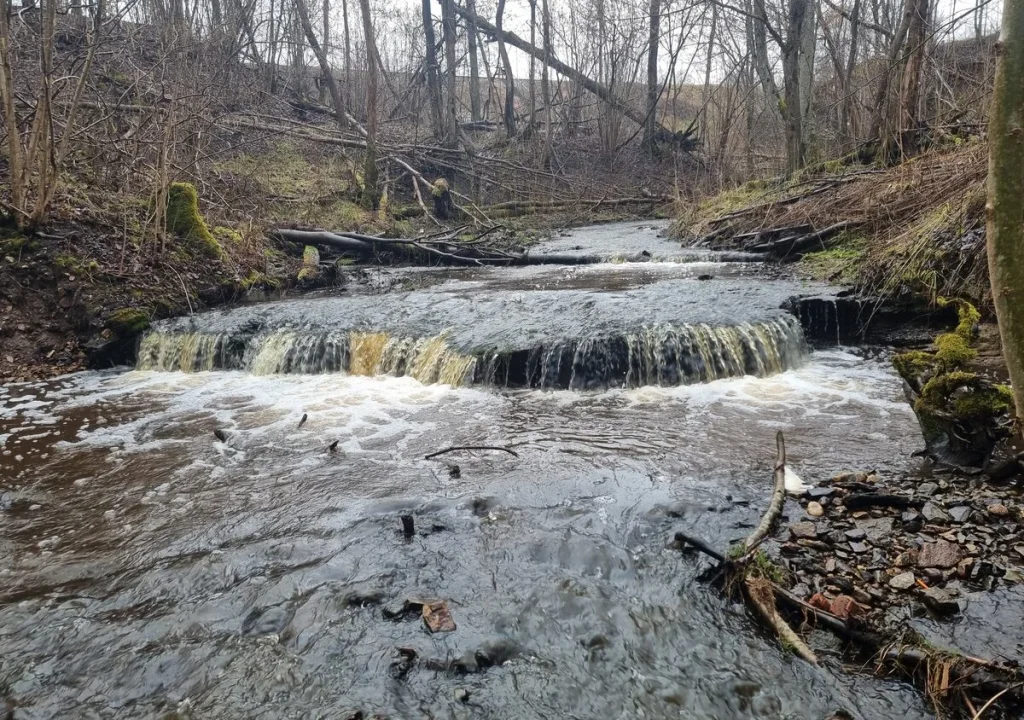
column 509, row 111
column 909, row 119
column 706, row 92
column 15, row 156
column 882, row 94
column 322, row 93
column 431, row 70
column 546, row 83
column 371, row 191
column 451, row 119
column 533, row 73
column 774, row 511
column 807, row 40
column 793, row 72
column 846, row 120
column 653, row 89
column 1005, row 208
column 348, row 45
column 325, row 66
column 474, row 70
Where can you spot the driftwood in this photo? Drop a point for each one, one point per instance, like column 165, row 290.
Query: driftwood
column 774, row 511
column 789, row 246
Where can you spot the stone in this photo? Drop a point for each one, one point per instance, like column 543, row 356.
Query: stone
column 859, row 547
column 814, row 509
column 960, row 513
column 934, row 514
column 998, row 510
column 878, row 531
column 845, row 607
column 855, row 534
column 927, row 489
column 801, row 590
column 803, row 530
column 820, row 492
column 861, row 596
column 903, row 581
column 940, row 554
column 820, row 601
column 940, row 601
column 462, row 695
column 850, row 477
column 437, row 617
column 830, row 565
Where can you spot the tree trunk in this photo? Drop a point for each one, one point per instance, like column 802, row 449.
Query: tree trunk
column 371, row 191
column 651, row 125
column 451, row 137
column 807, row 40
column 322, row 93
column 909, row 120
column 1005, row 207
column 546, row 83
column 348, row 45
column 325, row 66
column 509, row 112
column 846, row 114
column 794, row 82
column 474, row 70
column 431, row 70
column 879, row 131
column 533, row 74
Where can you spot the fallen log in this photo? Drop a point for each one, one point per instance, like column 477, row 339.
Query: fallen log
column 798, row 244
column 455, row 448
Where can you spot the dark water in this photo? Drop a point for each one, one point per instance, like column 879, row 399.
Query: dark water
column 149, row 567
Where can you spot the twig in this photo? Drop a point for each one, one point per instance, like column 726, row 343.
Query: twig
column 470, row 447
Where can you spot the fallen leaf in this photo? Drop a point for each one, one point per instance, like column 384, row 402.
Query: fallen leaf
column 437, row 617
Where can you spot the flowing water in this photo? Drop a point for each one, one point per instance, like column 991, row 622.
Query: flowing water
column 149, row 566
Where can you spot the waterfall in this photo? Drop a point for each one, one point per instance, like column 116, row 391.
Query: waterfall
column 649, row 355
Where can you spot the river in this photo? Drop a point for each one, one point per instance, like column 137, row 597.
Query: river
column 151, row 567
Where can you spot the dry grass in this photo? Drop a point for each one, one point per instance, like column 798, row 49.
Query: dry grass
column 919, row 226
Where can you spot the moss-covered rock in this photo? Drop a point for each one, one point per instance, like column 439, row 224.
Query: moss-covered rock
column 952, row 351
column 127, row 322
column 310, row 264
column 185, row 220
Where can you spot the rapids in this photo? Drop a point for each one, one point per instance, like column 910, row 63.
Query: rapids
column 149, row 567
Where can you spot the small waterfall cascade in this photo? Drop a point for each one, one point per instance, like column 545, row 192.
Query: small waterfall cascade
column 650, row 355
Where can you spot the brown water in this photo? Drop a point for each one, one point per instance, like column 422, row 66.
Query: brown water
column 148, row 566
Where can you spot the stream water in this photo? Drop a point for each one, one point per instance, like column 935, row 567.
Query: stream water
column 150, row 567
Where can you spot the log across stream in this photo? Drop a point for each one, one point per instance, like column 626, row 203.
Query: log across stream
column 153, row 566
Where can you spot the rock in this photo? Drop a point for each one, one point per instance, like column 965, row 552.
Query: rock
column 940, row 601
column 830, row 565
column 803, row 530
column 820, row 601
column 437, row 617
column 963, row 568
column 934, row 514
column 998, row 510
column 801, row 590
column 878, row 530
column 903, row 581
column 906, row 559
column 927, row 489
column 940, row 554
column 814, row 509
column 850, row 477
column 845, row 607
column 960, row 513
column 933, row 574
column 462, row 695
column 820, row 492
column 859, row 547
column 855, row 534
column 864, row 598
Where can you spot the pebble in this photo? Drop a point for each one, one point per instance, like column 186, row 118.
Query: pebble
column 940, row 601
column 903, row 581
column 934, row 514
column 998, row 509
column 814, row 509
column 855, row 534
column 803, row 530
column 960, row 513
column 927, row 489
column 859, row 547
column 940, row 554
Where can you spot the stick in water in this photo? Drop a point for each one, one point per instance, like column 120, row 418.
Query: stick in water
column 469, row 447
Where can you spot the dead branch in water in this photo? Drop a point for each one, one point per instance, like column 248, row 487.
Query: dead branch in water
column 774, row 511
column 470, row 447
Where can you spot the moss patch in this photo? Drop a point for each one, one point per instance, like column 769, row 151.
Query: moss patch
column 128, row 321
column 184, row 219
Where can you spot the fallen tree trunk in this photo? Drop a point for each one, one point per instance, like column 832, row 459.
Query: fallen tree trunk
column 797, row 245
column 686, row 139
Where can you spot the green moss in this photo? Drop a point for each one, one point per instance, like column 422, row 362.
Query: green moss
column 226, row 235
column 344, row 262
column 76, row 264
column 762, row 566
column 258, row 279
column 914, row 364
column 981, row 405
column 128, row 321
column 184, row 219
column 953, row 351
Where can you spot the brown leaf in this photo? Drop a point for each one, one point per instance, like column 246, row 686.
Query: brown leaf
column 437, row 617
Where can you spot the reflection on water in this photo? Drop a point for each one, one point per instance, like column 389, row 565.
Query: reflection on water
column 147, row 562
